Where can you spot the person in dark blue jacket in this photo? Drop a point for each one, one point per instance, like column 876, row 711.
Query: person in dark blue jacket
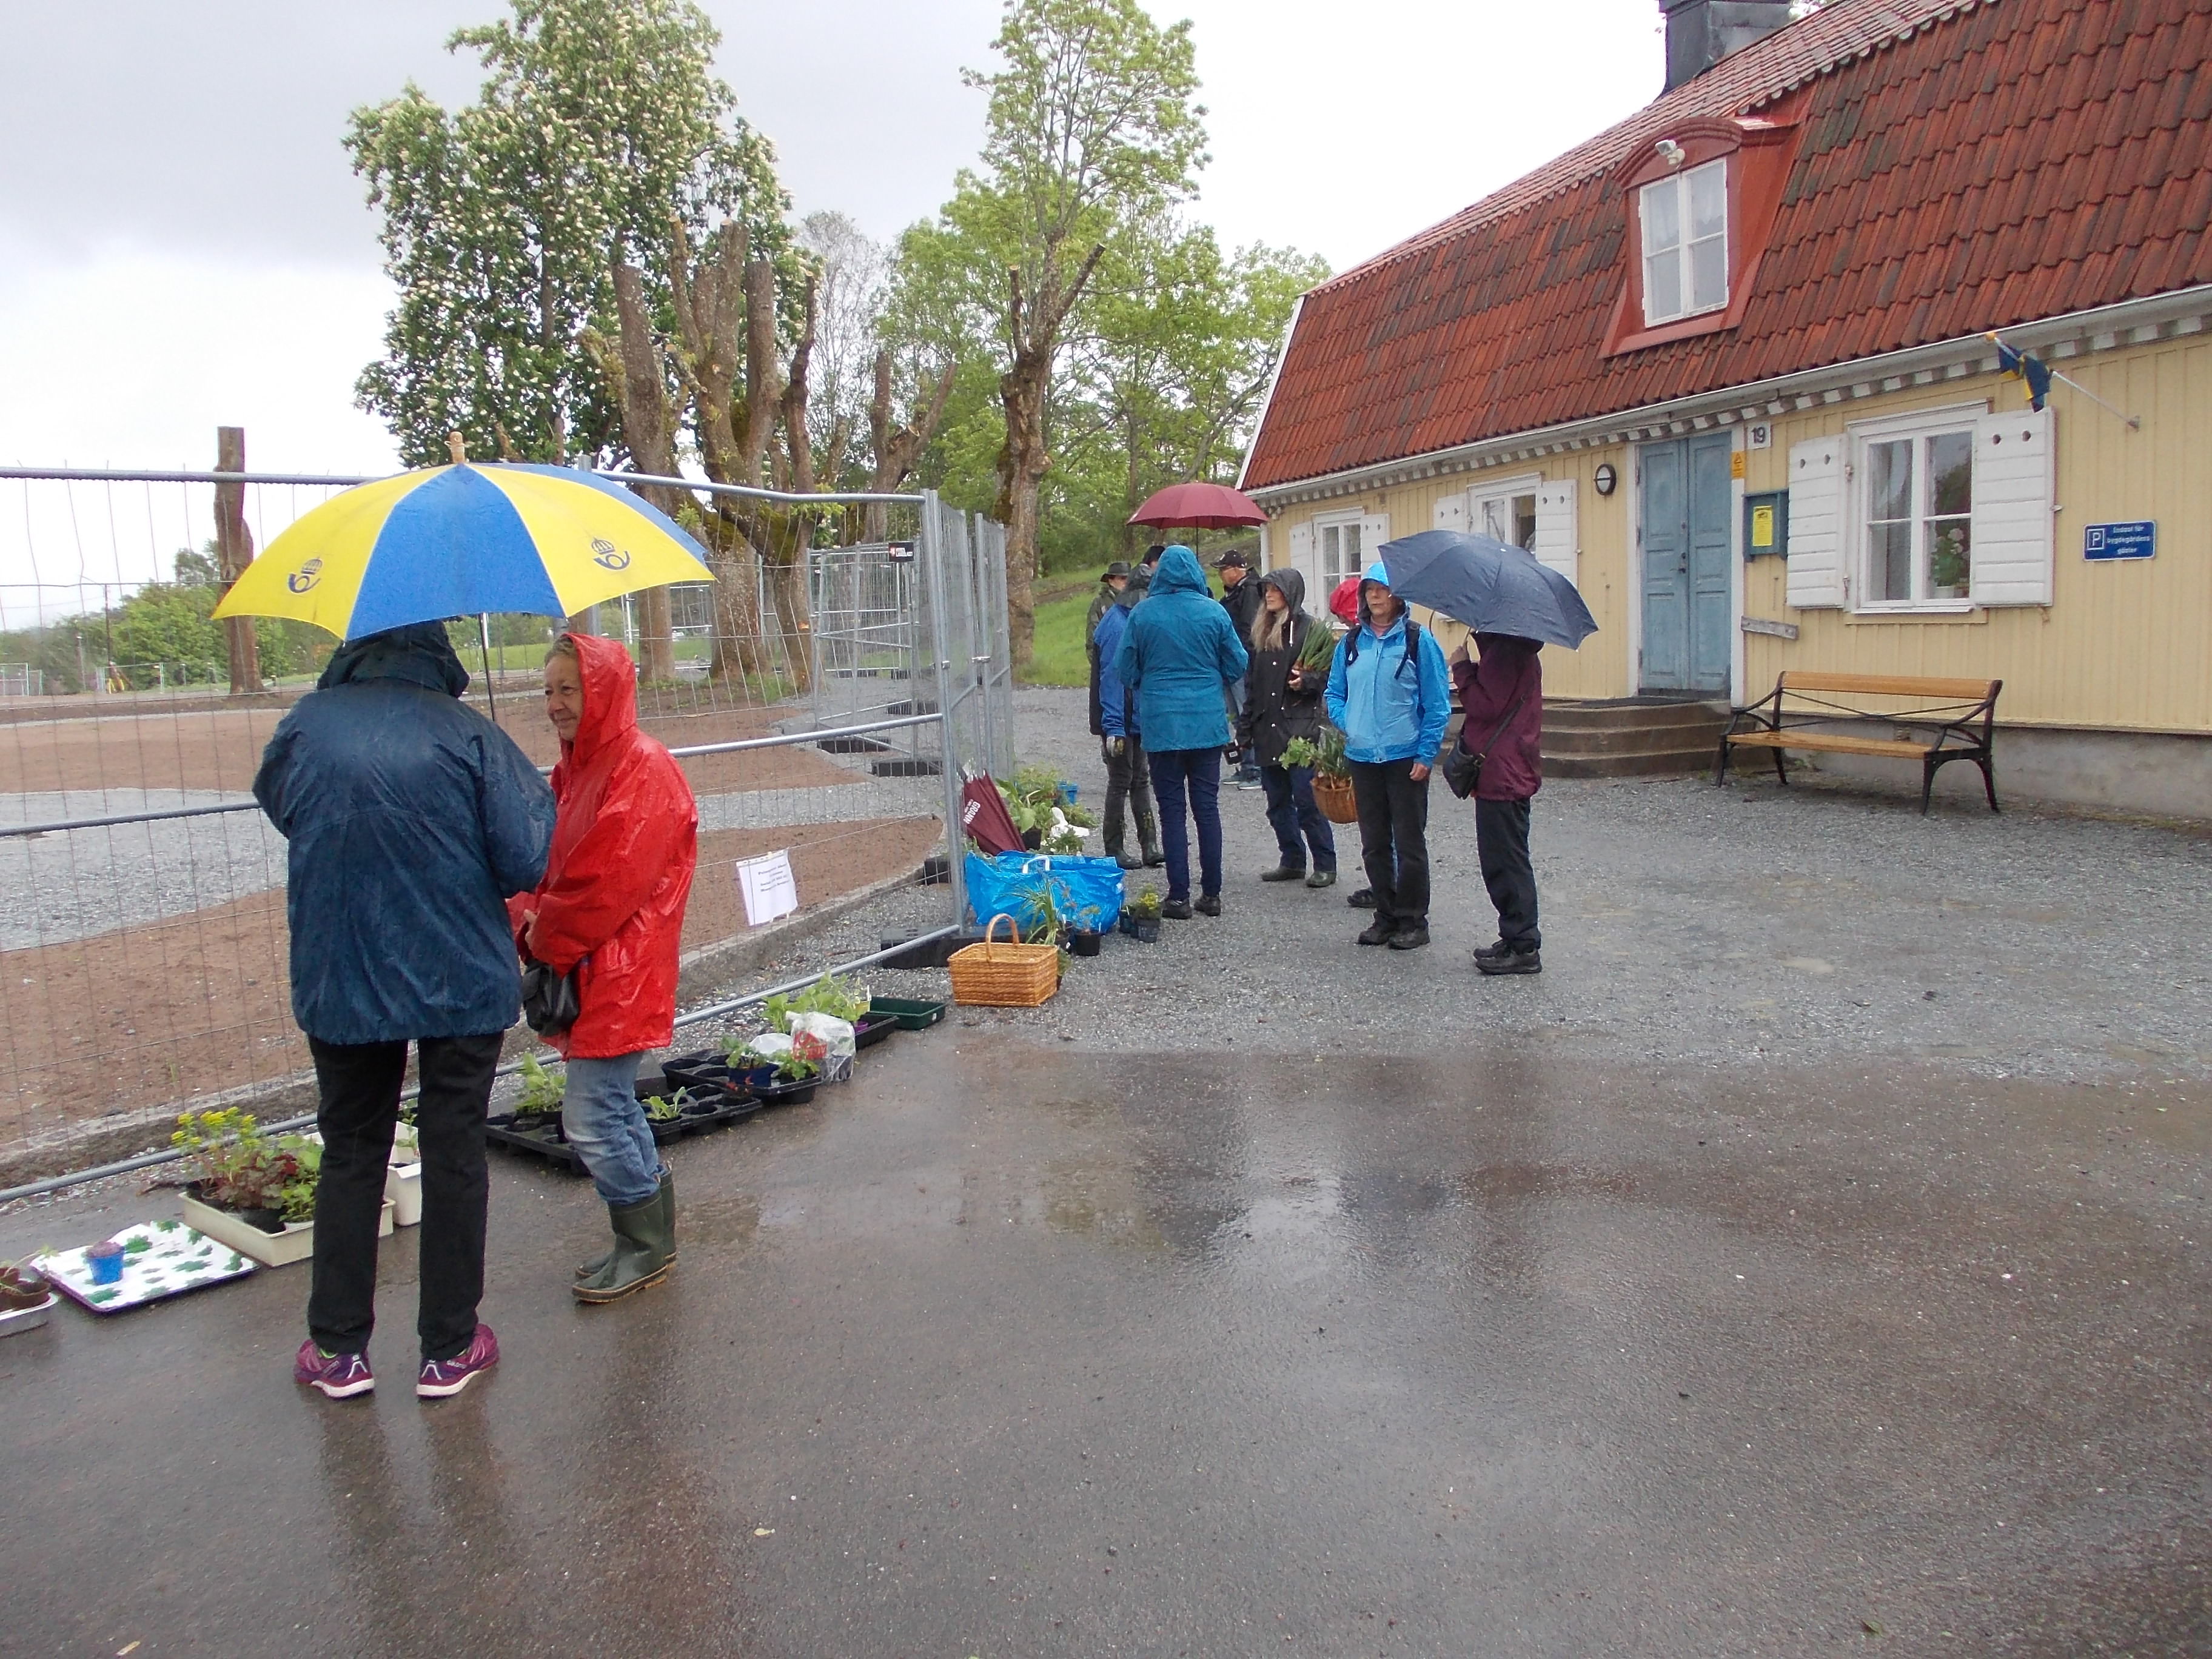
column 410, row 818
column 1176, row 657
column 1389, row 695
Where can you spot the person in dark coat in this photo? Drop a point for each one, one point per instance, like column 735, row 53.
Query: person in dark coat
column 1283, row 701
column 1240, row 597
column 1176, row 656
column 1121, row 740
column 1113, row 582
column 1503, row 696
column 412, row 818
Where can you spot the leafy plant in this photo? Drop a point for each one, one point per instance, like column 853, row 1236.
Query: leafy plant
column 541, row 1090
column 1301, row 752
column 1145, row 905
column 1328, row 758
column 663, row 1108
column 804, row 1058
column 234, row 1164
column 298, row 1197
column 832, row 995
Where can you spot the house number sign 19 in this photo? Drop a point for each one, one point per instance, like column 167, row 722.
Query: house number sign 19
column 2137, row 539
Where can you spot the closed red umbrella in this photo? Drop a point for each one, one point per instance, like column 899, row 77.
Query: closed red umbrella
column 1198, row 507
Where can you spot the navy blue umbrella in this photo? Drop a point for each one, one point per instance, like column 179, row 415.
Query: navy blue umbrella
column 1491, row 587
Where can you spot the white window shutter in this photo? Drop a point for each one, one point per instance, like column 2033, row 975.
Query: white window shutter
column 2013, row 539
column 1302, row 550
column 1373, row 531
column 1816, row 524
column 1452, row 511
column 1556, row 543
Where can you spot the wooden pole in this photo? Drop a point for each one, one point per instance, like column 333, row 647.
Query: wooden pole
column 234, row 552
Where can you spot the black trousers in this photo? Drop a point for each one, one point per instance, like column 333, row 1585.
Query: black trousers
column 1501, row 838
column 1393, row 838
column 1128, row 786
column 360, row 1109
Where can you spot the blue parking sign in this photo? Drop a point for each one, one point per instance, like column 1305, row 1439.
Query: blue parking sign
column 2137, row 539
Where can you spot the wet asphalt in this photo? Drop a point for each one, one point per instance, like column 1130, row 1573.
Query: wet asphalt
column 1007, row 1348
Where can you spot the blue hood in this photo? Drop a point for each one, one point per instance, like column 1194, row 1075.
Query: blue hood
column 1179, row 573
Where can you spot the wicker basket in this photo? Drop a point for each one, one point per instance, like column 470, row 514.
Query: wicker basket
column 1334, row 797
column 1011, row 976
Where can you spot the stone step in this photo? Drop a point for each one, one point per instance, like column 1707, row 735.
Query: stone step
column 1658, row 762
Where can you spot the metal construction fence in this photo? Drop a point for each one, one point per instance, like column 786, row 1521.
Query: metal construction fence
column 143, row 945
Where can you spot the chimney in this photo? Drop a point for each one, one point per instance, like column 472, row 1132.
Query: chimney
column 1700, row 33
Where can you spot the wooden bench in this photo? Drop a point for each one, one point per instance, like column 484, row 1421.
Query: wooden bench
column 1958, row 715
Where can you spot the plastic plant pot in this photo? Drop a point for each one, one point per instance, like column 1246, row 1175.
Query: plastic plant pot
column 1082, row 943
column 913, row 1014
column 106, row 1260
column 872, row 1028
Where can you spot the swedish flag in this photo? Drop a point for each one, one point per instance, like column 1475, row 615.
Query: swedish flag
column 2025, row 365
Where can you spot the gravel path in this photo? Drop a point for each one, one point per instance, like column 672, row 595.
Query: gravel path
column 1682, row 924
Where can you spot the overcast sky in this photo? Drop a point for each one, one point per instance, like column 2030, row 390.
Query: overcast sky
column 182, row 244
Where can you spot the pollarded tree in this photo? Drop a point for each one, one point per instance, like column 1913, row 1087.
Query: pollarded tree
column 1091, row 122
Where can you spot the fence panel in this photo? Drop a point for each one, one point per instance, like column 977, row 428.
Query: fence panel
column 144, row 950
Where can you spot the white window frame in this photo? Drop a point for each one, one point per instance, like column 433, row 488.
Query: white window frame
column 1324, row 582
column 1679, row 185
column 1916, row 429
column 1501, row 493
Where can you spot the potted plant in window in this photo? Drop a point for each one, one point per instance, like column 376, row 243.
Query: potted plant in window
column 1948, row 568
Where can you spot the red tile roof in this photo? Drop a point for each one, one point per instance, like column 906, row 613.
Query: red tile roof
column 1964, row 165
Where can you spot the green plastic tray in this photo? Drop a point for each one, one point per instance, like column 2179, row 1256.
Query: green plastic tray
column 912, row 1014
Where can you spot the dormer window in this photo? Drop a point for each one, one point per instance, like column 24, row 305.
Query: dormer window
column 1684, row 231
column 1700, row 201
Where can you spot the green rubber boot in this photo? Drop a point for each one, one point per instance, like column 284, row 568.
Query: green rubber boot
column 645, row 1241
column 667, row 1196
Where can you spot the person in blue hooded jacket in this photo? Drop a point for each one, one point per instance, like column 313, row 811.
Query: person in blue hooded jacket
column 1177, row 656
column 1389, row 695
column 410, row 819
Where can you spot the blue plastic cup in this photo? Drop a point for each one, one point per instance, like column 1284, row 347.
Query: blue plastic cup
column 105, row 1269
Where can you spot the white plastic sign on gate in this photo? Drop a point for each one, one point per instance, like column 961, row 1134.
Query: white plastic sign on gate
column 770, row 891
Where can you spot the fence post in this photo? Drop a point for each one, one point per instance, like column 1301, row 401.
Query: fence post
column 948, row 748
column 234, row 552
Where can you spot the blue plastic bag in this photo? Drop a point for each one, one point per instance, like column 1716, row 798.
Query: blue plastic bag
column 1086, row 893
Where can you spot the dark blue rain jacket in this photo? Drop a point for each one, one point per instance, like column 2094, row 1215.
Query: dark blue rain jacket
column 412, row 818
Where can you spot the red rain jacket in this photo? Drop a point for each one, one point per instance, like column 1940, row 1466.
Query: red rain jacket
column 619, row 874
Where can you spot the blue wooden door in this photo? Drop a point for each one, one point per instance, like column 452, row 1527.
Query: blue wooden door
column 1684, row 521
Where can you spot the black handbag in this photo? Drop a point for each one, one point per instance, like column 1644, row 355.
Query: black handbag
column 1463, row 770
column 551, row 1001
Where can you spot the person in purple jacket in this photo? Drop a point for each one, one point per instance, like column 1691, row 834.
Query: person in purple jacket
column 1503, row 696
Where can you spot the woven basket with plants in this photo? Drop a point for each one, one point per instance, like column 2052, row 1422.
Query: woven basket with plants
column 1332, row 784
column 1004, row 974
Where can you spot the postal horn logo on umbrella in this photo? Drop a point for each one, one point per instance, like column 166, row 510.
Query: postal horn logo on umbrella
column 455, row 541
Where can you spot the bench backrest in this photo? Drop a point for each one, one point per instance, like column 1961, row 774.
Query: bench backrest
column 1889, row 685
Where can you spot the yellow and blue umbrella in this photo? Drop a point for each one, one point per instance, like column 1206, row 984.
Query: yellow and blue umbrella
column 456, row 541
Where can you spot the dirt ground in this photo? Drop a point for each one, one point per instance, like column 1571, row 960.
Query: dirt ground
column 200, row 1004
column 218, row 748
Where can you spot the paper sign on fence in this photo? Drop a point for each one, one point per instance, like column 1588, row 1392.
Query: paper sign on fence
column 770, row 889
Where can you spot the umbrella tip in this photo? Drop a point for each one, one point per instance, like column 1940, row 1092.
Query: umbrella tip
column 454, row 448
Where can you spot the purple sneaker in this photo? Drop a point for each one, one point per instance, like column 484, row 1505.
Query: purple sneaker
column 340, row 1376
column 442, row 1377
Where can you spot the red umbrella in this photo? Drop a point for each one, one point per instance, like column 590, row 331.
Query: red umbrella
column 1198, row 507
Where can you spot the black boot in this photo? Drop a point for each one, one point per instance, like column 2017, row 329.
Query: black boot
column 1148, row 836
column 1116, row 831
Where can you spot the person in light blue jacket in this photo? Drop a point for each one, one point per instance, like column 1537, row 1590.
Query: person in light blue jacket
column 1389, row 695
column 1177, row 655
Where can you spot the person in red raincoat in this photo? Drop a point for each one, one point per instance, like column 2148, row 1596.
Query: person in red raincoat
column 611, row 908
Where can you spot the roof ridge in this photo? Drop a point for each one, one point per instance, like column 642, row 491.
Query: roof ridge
column 1825, row 40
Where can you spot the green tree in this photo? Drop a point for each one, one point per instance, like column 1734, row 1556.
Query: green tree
column 1092, row 123
column 600, row 132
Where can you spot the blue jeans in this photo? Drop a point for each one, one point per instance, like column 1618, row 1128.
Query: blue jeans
column 1196, row 774
column 601, row 1116
column 1291, row 810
